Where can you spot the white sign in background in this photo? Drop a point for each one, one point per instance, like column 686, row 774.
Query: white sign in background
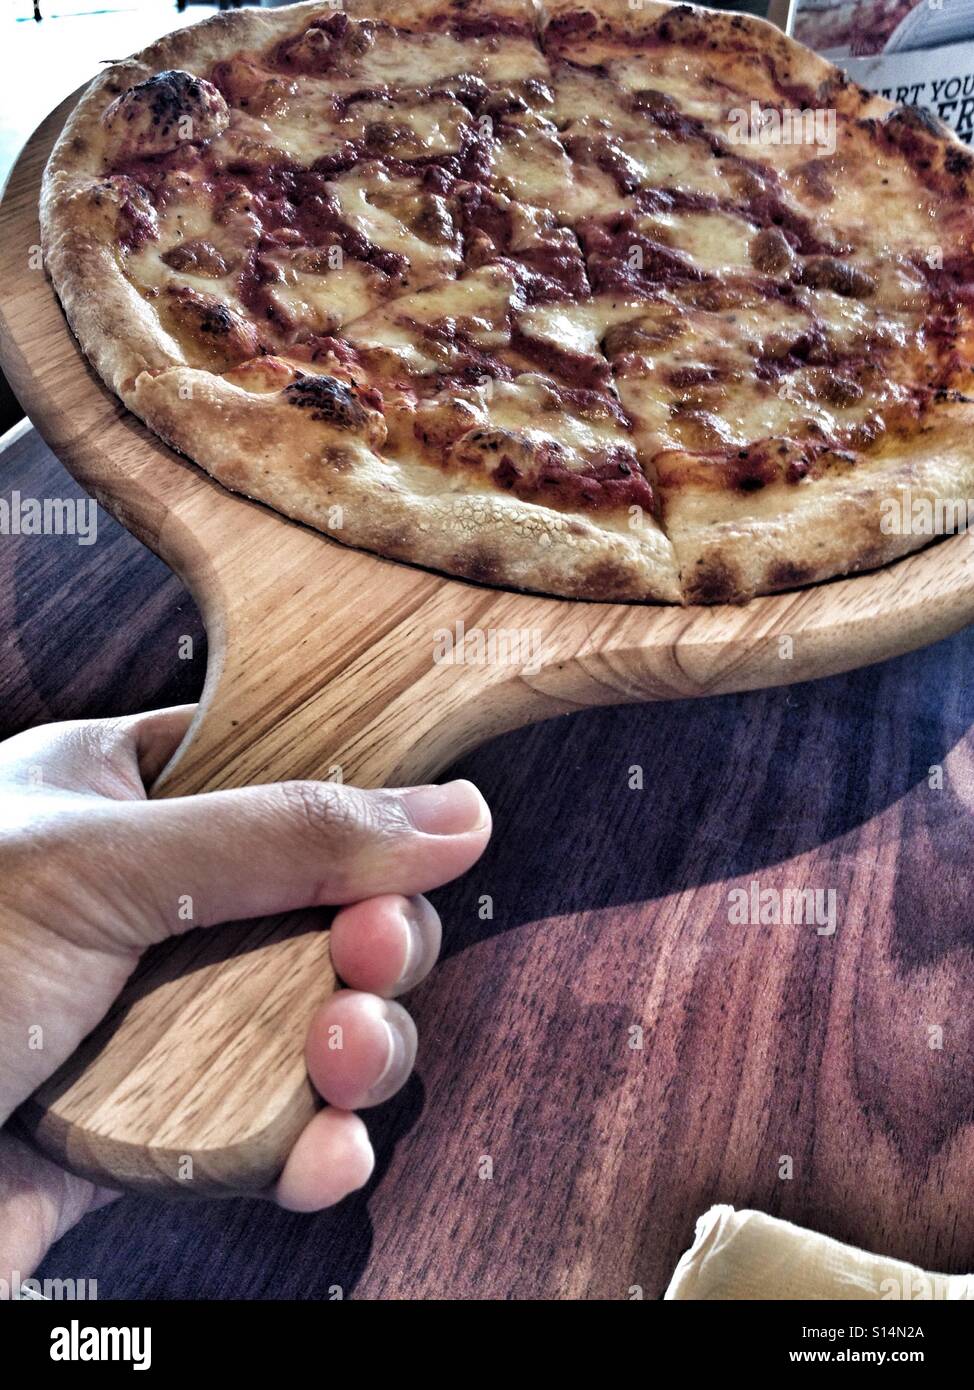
column 939, row 79
column 927, row 59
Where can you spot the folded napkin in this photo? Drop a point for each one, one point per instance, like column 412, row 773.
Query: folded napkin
column 747, row 1255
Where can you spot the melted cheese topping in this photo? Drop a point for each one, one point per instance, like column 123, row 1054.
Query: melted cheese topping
column 532, row 166
column 664, row 162
column 374, row 204
column 691, row 381
column 323, row 302
column 477, row 305
column 677, row 76
column 578, row 327
column 190, row 219
column 715, row 241
column 406, row 59
column 583, row 97
column 531, row 409
column 815, row 253
column 529, row 406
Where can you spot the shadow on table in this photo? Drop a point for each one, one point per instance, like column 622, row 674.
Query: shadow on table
column 730, row 786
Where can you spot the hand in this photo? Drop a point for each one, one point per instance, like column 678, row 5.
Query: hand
column 91, row 873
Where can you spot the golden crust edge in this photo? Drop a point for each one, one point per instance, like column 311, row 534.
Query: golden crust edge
column 827, row 530
column 259, row 446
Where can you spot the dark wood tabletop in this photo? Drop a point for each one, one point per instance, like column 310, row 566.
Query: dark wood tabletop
column 621, row 1052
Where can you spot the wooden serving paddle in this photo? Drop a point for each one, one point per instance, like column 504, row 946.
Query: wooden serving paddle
column 322, row 665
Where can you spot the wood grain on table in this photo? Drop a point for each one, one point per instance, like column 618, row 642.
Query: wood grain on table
column 610, row 914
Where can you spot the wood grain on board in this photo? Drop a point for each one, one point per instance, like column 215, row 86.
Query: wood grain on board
column 610, row 910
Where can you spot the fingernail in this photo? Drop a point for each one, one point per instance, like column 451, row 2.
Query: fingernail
column 453, row 809
column 414, row 949
column 420, row 944
column 359, row 1159
column 396, row 1023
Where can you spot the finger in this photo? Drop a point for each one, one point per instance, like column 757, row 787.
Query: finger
column 39, row 1201
column 157, row 735
column 223, row 856
column 386, row 945
column 115, row 758
column 360, row 1049
column 331, row 1158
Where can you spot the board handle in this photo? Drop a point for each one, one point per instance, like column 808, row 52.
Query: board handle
column 194, row 1085
column 336, row 665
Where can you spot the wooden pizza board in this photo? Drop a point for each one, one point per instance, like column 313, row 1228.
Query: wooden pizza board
column 321, row 665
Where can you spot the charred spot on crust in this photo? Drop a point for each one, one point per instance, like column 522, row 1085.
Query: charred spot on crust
column 165, row 110
column 172, row 95
column 957, row 161
column 713, row 581
column 328, row 400
column 927, row 144
column 607, row 579
column 217, row 319
column 786, row 574
column 916, row 118
column 481, row 566
column 762, row 463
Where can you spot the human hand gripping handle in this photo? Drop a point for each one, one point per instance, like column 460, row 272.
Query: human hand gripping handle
column 92, row 873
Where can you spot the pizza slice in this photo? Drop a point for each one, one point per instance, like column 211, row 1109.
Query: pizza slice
column 457, row 426
column 798, row 367
column 780, row 432
column 286, row 249
column 286, row 187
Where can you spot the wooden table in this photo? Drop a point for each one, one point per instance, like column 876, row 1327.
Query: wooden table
column 610, row 915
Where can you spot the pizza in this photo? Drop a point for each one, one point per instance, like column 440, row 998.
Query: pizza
column 606, row 299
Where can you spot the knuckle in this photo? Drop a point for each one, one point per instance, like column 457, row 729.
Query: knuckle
column 340, row 814
column 322, row 808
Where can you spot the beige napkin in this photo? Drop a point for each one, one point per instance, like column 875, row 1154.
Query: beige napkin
column 747, row 1255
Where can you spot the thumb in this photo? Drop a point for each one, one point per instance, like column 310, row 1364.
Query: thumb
column 268, row 849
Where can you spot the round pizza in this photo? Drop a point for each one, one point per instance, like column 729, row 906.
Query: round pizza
column 609, row 299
